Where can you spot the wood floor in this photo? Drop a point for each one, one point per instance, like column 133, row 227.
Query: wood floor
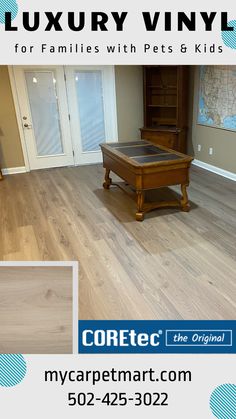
column 174, row 265
column 36, row 310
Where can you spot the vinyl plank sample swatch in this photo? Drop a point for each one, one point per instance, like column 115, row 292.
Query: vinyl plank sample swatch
column 36, row 310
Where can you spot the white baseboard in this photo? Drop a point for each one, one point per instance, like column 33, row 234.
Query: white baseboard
column 14, row 170
column 214, row 169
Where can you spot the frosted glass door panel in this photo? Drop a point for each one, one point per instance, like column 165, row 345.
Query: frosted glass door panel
column 91, row 110
column 43, row 99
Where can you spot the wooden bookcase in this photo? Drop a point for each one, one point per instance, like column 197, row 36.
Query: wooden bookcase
column 166, row 106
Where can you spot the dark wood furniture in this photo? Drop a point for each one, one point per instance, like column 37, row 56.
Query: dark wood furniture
column 145, row 166
column 166, row 106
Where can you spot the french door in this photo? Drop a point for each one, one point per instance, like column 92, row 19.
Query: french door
column 91, row 100
column 65, row 112
column 44, row 116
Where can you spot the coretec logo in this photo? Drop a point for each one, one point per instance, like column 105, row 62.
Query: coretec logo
column 120, row 338
column 100, row 21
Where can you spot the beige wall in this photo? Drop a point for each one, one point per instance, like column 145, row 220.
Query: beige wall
column 129, row 99
column 10, row 145
column 222, row 141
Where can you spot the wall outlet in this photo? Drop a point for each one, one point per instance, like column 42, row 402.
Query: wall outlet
column 199, row 147
column 210, row 151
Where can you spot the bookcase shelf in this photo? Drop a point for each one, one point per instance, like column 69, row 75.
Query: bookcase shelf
column 165, row 105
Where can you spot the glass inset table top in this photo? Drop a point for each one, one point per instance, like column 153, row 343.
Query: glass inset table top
column 156, row 158
column 144, row 152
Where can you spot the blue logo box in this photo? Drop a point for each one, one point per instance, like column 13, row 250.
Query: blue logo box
column 157, row 336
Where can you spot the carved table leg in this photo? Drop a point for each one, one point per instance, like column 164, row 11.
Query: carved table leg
column 140, row 203
column 107, row 181
column 184, row 200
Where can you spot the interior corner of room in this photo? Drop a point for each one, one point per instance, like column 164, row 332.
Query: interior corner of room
column 213, row 149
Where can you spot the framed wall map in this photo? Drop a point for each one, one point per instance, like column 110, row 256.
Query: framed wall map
column 217, row 97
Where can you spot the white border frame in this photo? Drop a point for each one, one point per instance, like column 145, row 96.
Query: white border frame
column 75, row 289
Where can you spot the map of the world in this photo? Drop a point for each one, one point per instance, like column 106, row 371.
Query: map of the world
column 217, row 97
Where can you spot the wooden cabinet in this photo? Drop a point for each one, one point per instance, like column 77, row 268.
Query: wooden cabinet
column 165, row 106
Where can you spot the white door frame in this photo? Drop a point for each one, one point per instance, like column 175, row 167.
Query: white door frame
column 18, row 117
column 112, row 107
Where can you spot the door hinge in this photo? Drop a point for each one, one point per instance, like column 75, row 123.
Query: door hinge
column 64, row 77
column 69, row 116
column 73, row 153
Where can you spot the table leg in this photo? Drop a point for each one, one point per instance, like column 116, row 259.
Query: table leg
column 184, row 200
column 140, row 203
column 107, row 181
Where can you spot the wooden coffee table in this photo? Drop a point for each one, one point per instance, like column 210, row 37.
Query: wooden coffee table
column 145, row 166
